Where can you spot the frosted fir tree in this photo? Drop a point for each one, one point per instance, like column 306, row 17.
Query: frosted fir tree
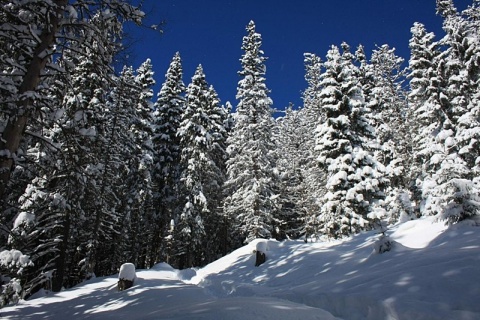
column 196, row 162
column 251, row 184
column 295, row 202
column 463, row 73
column 451, row 192
column 388, row 113
column 355, row 179
column 130, row 102
column 215, row 222
column 143, row 132
column 309, row 117
column 167, row 115
column 445, row 145
column 202, row 139
column 426, row 115
column 44, row 36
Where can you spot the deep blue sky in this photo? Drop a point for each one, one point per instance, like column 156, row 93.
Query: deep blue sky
column 209, row 32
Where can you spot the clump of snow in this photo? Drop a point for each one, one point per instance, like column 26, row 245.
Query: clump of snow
column 261, row 246
column 14, row 259
column 24, row 218
column 127, row 272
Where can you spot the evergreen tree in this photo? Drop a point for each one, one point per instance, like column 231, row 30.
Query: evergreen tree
column 167, row 115
column 43, row 35
column 310, row 116
column 355, row 178
column 67, row 119
column 195, row 161
column 387, row 108
column 250, row 185
column 294, row 199
column 451, row 189
column 215, row 224
column 426, row 113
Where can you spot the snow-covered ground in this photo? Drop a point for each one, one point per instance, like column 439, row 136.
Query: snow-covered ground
column 433, row 272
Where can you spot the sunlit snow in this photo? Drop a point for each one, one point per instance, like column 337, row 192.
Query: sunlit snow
column 431, row 273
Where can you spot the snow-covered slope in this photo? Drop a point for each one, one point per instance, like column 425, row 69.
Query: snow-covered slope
column 432, row 273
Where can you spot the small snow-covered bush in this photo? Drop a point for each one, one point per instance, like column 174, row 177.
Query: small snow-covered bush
column 462, row 200
column 383, row 244
column 11, row 292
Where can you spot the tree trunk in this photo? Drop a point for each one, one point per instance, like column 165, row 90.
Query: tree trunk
column 60, row 263
column 13, row 133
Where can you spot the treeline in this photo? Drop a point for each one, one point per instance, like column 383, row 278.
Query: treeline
column 95, row 172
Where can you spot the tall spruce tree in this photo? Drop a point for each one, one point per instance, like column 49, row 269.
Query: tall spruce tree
column 355, row 178
column 251, row 184
column 452, row 192
column 195, row 163
column 167, row 115
column 310, row 116
column 387, row 112
column 294, row 199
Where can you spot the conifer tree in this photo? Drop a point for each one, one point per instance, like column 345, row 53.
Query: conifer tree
column 215, row 224
column 311, row 116
column 291, row 165
column 387, row 108
column 167, row 115
column 195, row 163
column 67, row 119
column 355, row 179
column 250, row 185
column 426, row 112
column 450, row 190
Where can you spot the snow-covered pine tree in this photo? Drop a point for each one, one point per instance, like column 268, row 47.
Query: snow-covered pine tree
column 142, row 129
column 215, row 223
column 387, row 107
column 291, row 163
column 251, row 184
column 355, row 179
column 133, row 158
column 44, row 28
column 167, row 115
column 42, row 64
column 426, row 114
column 195, row 160
column 451, row 191
column 310, row 116
column 202, row 140
column 463, row 76
column 443, row 85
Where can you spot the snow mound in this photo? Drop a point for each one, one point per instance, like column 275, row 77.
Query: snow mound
column 127, row 272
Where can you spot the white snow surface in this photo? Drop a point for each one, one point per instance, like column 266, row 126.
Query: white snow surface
column 432, row 272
